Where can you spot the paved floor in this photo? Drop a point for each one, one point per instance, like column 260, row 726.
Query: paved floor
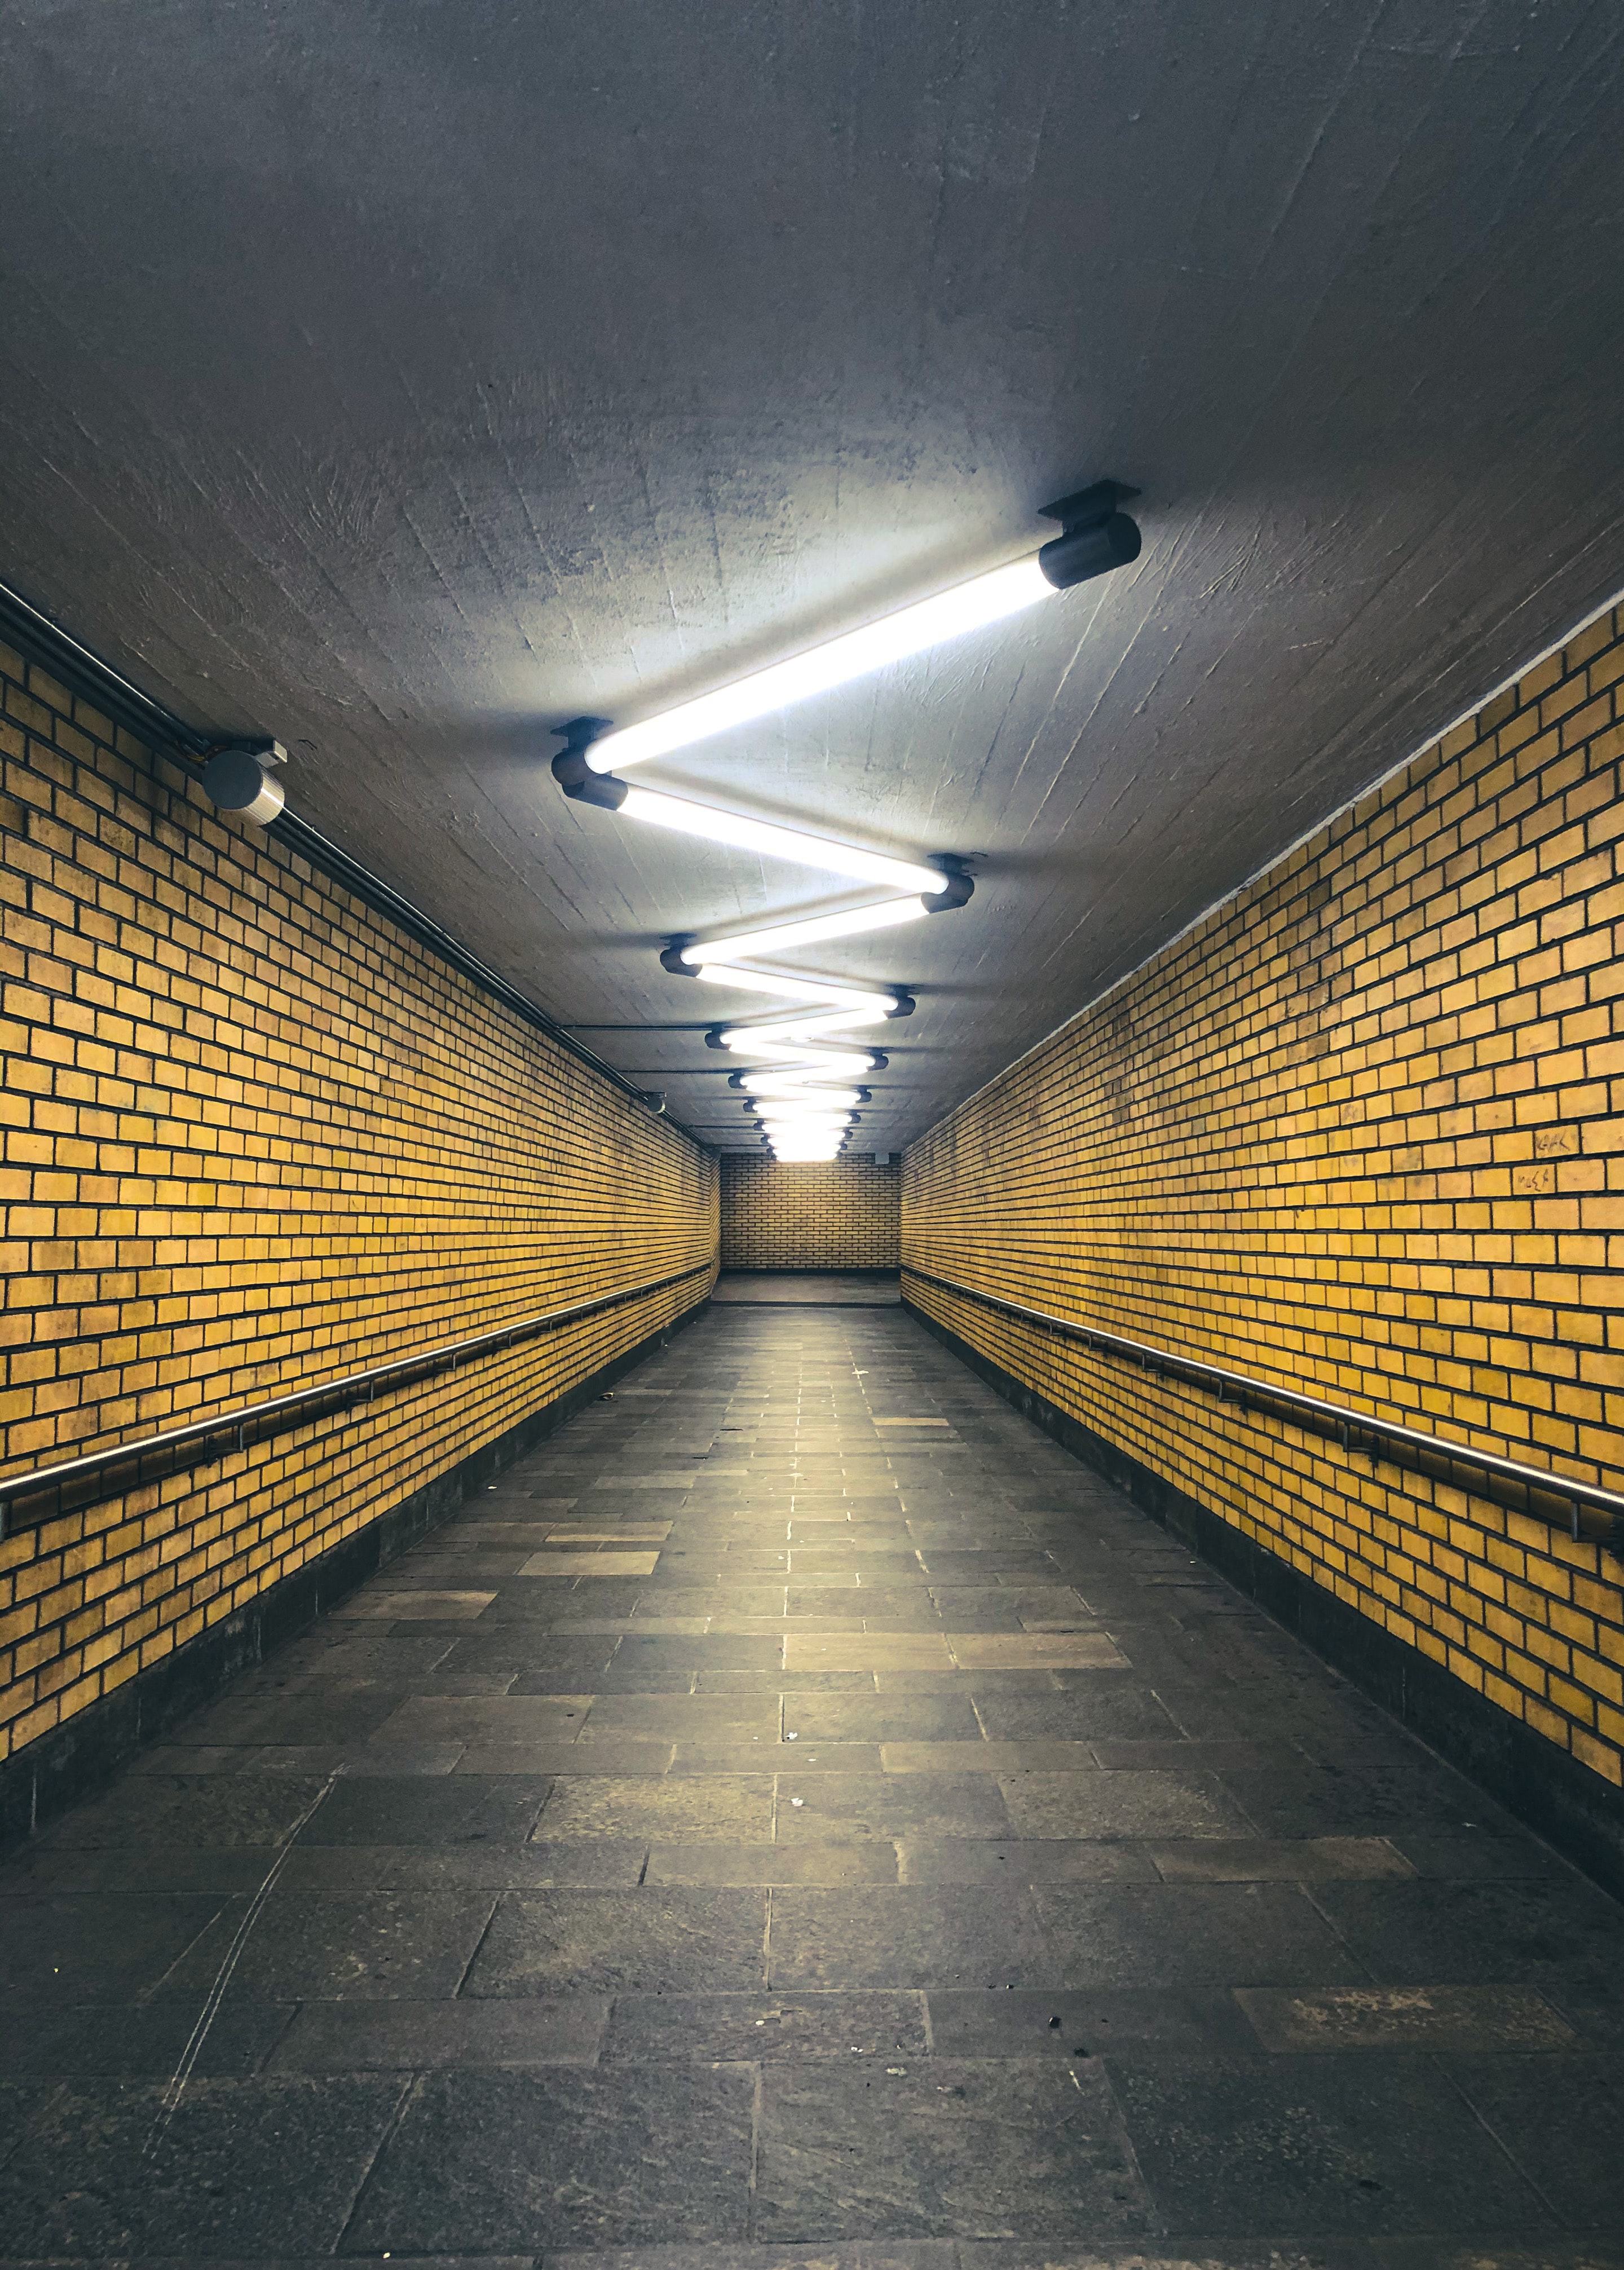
column 823, row 1289
column 801, row 1821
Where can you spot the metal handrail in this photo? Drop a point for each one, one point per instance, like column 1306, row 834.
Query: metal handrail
column 282, row 1412
column 1244, row 1386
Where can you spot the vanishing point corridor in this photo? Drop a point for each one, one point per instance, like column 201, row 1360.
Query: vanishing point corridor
column 802, row 1816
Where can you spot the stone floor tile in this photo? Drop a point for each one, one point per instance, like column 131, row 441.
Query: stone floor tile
column 187, row 1811
column 921, row 2149
column 626, row 1755
column 575, row 1796
column 377, row 1944
column 1108, row 1710
column 589, row 1560
column 1321, row 2146
column 689, row 1863
column 1261, row 1859
column 1467, row 1858
column 767, row 2028
column 1192, row 1935
column 965, row 1860
column 874, row 1718
column 468, row 1719
column 64, row 1948
column 685, row 1718
column 1098, row 1803
column 1118, row 2022
column 655, row 1940
column 1033, row 1651
column 910, row 1935
column 1559, row 1933
column 523, row 2161
column 407, row 1608
column 840, row 1808
column 735, row 1809
column 1307, row 1800
column 426, row 2036
column 141, row 2042
column 237, row 2157
column 864, row 1650
column 477, row 1864
column 1560, row 2120
column 1439, row 2020
column 459, row 1809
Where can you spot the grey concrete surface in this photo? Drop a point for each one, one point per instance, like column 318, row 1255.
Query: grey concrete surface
column 405, row 381
column 844, row 1884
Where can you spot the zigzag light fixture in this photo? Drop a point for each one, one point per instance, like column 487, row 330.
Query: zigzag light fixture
column 799, row 1115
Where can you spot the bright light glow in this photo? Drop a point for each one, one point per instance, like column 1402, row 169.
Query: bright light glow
column 775, row 1102
column 816, row 1060
column 777, row 842
column 783, row 938
column 968, row 608
column 868, row 1006
column 749, row 1038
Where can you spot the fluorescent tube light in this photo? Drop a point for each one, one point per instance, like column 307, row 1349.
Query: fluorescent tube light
column 969, row 606
column 799, row 989
column 732, row 828
column 783, row 938
column 811, row 1030
column 817, row 1060
column 780, row 1099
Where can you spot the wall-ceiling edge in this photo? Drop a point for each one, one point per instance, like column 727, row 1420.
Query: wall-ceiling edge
column 1276, row 858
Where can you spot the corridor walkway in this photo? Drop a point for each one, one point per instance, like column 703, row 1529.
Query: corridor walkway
column 802, row 1812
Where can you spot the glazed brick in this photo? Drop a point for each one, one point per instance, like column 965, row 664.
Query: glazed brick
column 809, row 1213
column 254, row 1136
column 1357, row 1133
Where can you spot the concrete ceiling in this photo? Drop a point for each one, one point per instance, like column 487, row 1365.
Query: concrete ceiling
column 404, row 378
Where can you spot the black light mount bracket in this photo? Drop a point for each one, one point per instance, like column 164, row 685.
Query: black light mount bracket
column 958, row 883
column 1095, row 534
column 879, row 1061
column 573, row 773
column 266, row 751
column 905, row 1003
column 671, row 961
column 713, row 1038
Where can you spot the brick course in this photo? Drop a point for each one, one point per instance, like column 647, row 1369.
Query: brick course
column 253, row 1136
column 809, row 1213
column 1357, row 1131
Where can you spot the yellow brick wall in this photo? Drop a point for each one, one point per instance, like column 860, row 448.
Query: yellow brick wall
column 1359, row 1131
column 255, row 1137
column 809, row 1213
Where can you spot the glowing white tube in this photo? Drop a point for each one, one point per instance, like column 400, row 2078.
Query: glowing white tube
column 968, row 608
column 746, row 835
column 818, row 1063
column 783, row 938
column 868, row 1006
column 843, row 1098
column 808, row 1031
